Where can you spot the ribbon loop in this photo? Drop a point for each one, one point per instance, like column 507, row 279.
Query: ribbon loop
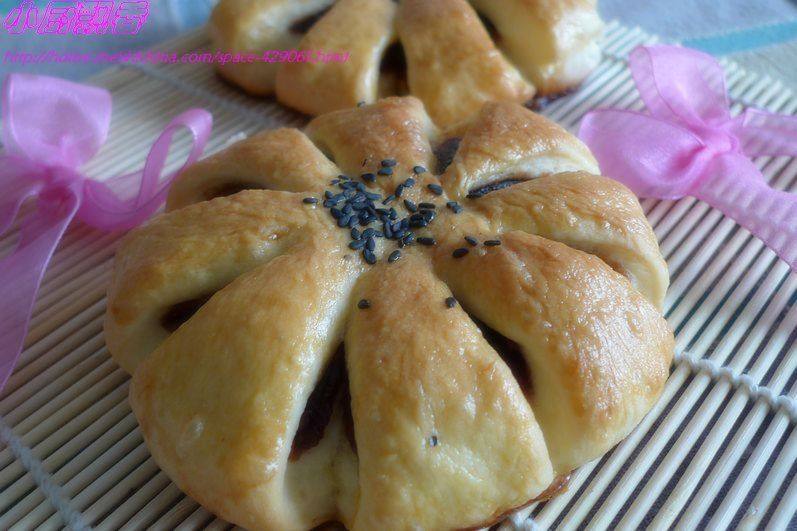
column 734, row 188
column 50, row 128
column 688, row 144
column 111, row 205
column 53, row 121
column 762, row 133
column 691, row 91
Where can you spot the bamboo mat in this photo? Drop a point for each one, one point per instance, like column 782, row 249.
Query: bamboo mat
column 719, row 450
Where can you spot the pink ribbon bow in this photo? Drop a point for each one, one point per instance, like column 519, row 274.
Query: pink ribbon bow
column 690, row 145
column 50, row 128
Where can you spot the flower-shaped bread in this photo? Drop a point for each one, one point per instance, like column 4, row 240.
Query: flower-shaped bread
column 452, row 54
column 283, row 381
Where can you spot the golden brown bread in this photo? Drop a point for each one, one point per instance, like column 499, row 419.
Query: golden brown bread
column 254, row 26
column 554, row 43
column 276, row 159
column 283, row 382
column 452, row 64
column 437, row 50
column 314, row 88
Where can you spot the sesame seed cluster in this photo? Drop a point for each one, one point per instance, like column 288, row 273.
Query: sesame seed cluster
column 369, row 215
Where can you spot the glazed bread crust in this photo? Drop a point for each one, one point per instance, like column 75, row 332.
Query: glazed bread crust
column 269, row 391
column 452, row 64
column 254, row 26
column 314, row 88
column 554, row 43
column 453, row 61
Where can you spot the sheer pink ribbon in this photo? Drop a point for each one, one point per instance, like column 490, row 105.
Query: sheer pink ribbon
column 690, row 145
column 50, row 128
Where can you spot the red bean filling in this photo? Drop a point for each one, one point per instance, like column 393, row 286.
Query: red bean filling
column 303, row 25
column 490, row 27
column 393, row 71
column 182, row 312
column 231, row 188
column 481, row 191
column 541, row 102
column 511, row 353
column 445, row 152
column 330, row 526
column 321, row 404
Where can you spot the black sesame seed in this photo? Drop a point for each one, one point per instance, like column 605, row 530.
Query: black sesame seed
column 334, row 181
column 344, row 177
column 357, row 245
column 459, row 253
column 409, row 183
column 435, row 189
column 389, row 162
column 367, row 233
column 343, row 221
column 372, row 196
column 395, row 255
column 370, row 244
column 364, row 304
column 454, row 206
column 369, row 177
column 428, row 215
column 409, row 205
column 336, row 213
column 310, row 200
column 385, row 171
column 328, row 194
column 399, row 190
column 451, row 302
column 492, row 243
column 433, row 441
column 369, row 256
column 417, row 170
column 427, row 206
column 388, row 199
column 417, row 220
column 471, row 240
column 355, row 234
column 426, row 241
column 409, row 239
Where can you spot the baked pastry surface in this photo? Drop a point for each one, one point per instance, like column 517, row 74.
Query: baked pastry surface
column 452, row 54
column 283, row 381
